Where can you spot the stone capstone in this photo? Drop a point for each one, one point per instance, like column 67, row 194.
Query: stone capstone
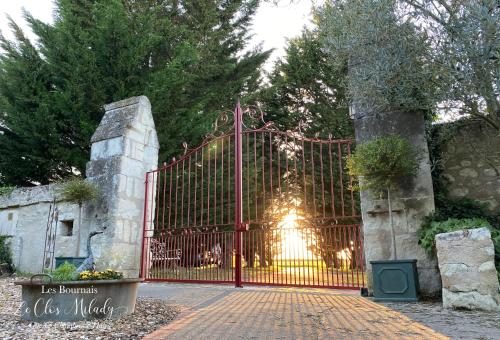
column 467, row 264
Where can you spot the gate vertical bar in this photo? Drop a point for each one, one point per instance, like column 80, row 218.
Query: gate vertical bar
column 143, row 267
column 238, row 191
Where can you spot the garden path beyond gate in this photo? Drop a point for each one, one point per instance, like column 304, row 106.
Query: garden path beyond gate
column 254, row 205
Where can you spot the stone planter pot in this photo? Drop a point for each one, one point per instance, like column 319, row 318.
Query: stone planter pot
column 77, row 300
column 395, row 280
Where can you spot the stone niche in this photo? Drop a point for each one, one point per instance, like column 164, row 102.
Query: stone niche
column 467, row 264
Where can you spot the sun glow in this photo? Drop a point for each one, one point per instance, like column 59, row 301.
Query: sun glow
column 294, row 242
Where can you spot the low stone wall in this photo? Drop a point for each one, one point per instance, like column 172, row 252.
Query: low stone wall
column 467, row 264
column 124, row 147
column 24, row 214
column 471, row 162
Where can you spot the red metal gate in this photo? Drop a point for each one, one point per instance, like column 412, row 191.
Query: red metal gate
column 254, row 205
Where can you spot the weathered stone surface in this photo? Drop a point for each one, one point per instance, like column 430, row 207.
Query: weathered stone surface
column 468, row 273
column 24, row 214
column 471, row 163
column 411, row 203
column 125, row 147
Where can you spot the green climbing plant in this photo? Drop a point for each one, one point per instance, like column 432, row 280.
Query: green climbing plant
column 380, row 165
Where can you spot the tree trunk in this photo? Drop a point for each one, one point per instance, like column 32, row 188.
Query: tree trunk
column 393, row 235
column 78, row 235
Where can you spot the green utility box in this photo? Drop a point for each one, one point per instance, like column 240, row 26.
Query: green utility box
column 77, row 261
column 395, row 280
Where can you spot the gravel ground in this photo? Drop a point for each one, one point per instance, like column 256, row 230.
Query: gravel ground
column 150, row 314
column 457, row 324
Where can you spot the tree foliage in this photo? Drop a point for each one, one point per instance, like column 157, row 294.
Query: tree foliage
column 465, row 40
column 383, row 162
column 440, row 55
column 387, row 58
column 78, row 191
column 186, row 56
column 306, row 88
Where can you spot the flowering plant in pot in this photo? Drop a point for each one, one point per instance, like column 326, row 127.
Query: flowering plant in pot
column 75, row 294
column 380, row 165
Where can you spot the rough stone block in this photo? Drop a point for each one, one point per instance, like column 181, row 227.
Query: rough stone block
column 468, row 273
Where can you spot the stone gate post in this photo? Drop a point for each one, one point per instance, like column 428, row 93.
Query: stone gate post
column 411, row 202
column 124, row 147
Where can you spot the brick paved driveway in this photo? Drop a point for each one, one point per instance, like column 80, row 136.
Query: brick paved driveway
column 223, row 312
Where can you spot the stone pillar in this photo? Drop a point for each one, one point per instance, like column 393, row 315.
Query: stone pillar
column 124, row 147
column 467, row 265
column 411, row 202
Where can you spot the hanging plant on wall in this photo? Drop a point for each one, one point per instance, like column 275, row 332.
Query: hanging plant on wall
column 380, row 165
column 78, row 191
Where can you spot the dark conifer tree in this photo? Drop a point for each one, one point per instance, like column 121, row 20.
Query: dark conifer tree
column 186, row 56
column 305, row 86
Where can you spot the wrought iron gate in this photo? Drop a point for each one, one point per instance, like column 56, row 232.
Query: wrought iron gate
column 254, row 205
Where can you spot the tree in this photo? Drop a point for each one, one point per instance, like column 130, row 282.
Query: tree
column 78, row 191
column 465, row 40
column 388, row 59
column 186, row 56
column 440, row 55
column 307, row 87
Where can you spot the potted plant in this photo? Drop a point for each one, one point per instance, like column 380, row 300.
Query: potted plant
column 381, row 165
column 75, row 294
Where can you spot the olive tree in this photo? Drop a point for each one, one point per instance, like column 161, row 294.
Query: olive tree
column 465, row 40
column 388, row 59
column 440, row 55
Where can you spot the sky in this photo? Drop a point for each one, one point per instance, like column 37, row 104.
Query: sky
column 272, row 25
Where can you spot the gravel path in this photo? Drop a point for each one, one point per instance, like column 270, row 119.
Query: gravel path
column 150, row 314
column 457, row 324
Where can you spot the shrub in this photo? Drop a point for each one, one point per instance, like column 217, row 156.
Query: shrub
column 78, row 191
column 108, row 274
column 381, row 163
column 65, row 272
column 461, row 208
column 429, row 231
column 5, row 254
column 6, row 190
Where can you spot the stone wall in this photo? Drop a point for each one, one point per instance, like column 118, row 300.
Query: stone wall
column 471, row 162
column 24, row 214
column 124, row 148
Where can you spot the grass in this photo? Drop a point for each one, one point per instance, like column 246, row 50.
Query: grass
column 285, row 273
column 20, row 273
